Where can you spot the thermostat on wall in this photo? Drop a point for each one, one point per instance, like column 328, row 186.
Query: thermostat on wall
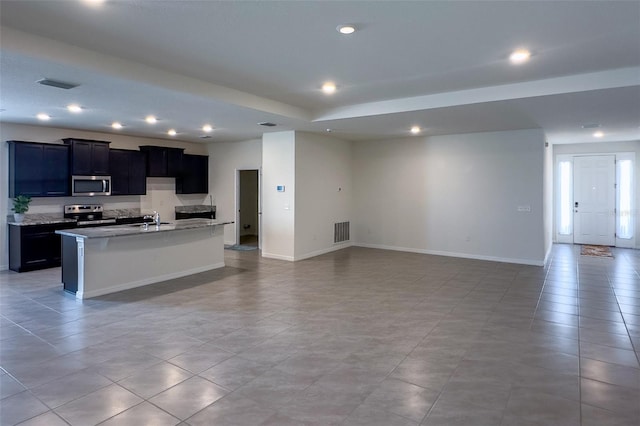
column 280, row 188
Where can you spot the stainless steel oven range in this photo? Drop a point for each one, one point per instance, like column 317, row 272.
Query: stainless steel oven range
column 88, row 214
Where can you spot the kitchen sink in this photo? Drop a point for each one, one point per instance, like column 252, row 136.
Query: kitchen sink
column 139, row 225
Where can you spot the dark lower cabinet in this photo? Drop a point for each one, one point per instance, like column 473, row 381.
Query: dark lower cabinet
column 34, row 247
column 195, row 175
column 128, row 172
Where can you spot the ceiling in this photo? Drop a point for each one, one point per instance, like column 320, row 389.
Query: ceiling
column 440, row 65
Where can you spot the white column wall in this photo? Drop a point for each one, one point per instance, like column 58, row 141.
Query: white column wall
column 323, row 192
column 454, row 195
column 548, row 201
column 278, row 208
column 224, row 160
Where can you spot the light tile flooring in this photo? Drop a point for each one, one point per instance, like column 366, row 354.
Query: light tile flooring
column 355, row 337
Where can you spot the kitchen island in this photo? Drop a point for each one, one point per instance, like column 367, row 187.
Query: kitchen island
column 98, row 261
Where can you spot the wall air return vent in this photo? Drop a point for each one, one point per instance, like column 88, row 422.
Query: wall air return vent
column 340, row 232
column 56, row 83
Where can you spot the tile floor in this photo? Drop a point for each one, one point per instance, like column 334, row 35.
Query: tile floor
column 355, row 337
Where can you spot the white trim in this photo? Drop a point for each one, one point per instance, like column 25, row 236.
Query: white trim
column 323, row 251
column 4, row 267
column 531, row 262
column 278, row 257
column 237, row 206
column 146, row 281
column 547, row 256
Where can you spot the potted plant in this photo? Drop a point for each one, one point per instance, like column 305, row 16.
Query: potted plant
column 20, row 207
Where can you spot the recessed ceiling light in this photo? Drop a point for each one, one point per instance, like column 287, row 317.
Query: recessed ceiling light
column 329, row 130
column 346, row 29
column 207, row 128
column 520, row 56
column 44, row 117
column 172, row 132
column 598, row 134
column 415, row 130
column 151, row 119
column 93, row 2
column 74, row 108
column 329, row 88
column 116, row 125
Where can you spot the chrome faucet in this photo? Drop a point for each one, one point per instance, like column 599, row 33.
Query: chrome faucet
column 155, row 217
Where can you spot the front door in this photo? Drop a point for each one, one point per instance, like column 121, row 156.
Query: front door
column 594, row 200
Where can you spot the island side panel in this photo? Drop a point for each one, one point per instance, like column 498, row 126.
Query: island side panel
column 69, row 264
column 114, row 264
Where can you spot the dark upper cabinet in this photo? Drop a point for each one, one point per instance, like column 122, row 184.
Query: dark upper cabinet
column 195, row 175
column 128, row 172
column 163, row 161
column 56, row 170
column 38, row 169
column 89, row 157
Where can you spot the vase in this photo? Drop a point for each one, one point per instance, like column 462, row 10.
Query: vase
column 18, row 217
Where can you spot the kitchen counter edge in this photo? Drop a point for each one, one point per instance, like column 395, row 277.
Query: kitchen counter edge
column 128, row 230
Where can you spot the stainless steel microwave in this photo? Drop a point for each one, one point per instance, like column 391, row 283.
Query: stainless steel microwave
column 83, row 186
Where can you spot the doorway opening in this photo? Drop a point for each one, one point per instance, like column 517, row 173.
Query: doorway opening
column 248, row 212
column 595, row 199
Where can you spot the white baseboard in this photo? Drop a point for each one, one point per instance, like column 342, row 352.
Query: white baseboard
column 4, row 267
column 323, row 251
column 307, row 255
column 277, row 256
column 548, row 255
column 146, row 281
column 531, row 262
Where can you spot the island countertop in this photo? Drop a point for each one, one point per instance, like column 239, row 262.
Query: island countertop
column 137, row 229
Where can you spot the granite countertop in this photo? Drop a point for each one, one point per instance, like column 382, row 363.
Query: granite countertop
column 127, row 230
column 40, row 219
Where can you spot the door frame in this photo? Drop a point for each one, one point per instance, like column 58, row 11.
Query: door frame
column 619, row 156
column 237, row 203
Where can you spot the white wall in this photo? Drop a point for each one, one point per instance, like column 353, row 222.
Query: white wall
column 548, row 201
column 323, row 192
column 224, row 160
column 278, row 208
column 606, row 148
column 160, row 196
column 453, row 195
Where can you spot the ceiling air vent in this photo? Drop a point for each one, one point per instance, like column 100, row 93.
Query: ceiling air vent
column 56, row 83
column 205, row 137
column 591, row 126
column 267, row 124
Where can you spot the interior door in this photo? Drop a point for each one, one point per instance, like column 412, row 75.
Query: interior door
column 594, row 200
